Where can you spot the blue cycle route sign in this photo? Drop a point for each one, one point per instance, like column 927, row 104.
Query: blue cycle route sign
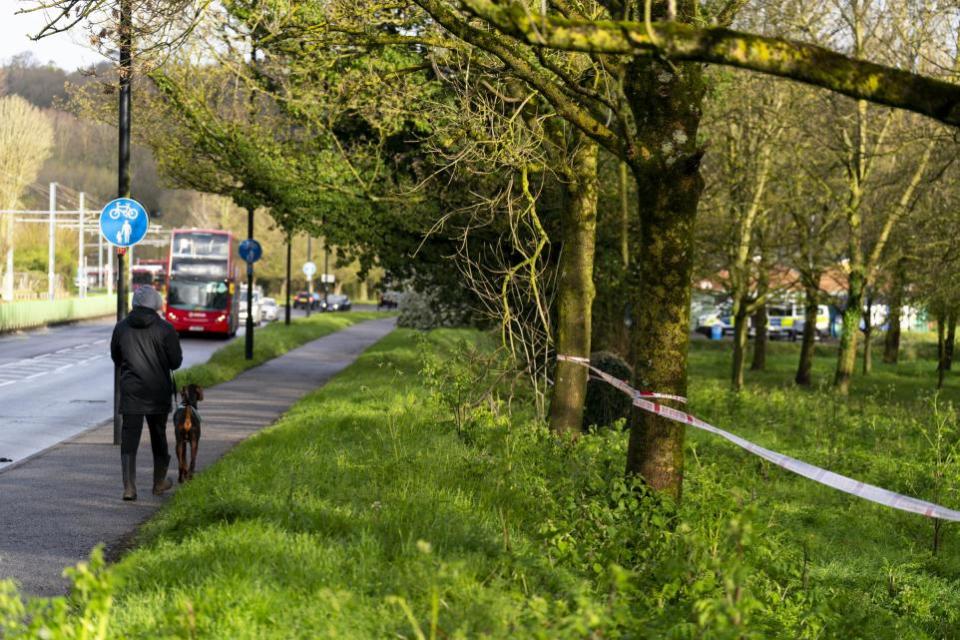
column 250, row 250
column 124, row 222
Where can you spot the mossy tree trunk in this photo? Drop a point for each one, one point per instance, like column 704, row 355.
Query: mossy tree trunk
column 667, row 99
column 868, row 337
column 760, row 339
column 941, row 348
column 852, row 314
column 810, row 312
column 891, row 341
column 613, row 306
column 858, row 166
column 951, row 339
column 761, row 318
column 575, row 288
column 624, row 175
column 740, row 331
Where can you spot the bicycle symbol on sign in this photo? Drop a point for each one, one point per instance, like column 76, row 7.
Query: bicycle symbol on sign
column 123, row 209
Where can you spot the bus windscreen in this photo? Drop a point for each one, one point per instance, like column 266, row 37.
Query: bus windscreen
column 198, row 295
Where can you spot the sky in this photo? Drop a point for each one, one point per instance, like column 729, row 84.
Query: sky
column 65, row 50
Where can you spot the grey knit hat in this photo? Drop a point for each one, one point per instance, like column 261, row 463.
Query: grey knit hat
column 147, row 296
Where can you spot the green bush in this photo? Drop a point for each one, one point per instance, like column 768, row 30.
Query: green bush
column 430, row 310
column 83, row 615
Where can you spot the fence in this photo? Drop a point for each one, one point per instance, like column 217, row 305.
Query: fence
column 26, row 314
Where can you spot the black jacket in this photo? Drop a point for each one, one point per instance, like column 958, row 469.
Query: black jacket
column 146, row 348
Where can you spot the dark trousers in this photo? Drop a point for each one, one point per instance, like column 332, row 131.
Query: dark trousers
column 133, row 427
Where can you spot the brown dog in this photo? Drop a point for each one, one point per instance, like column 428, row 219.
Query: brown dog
column 186, row 427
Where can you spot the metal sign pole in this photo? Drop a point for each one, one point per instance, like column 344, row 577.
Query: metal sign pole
column 248, row 338
column 109, row 271
column 121, row 313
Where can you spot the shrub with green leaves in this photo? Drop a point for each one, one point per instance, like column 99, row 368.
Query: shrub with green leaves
column 425, row 310
column 82, row 615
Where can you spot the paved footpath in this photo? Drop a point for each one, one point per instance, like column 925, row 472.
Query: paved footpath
column 55, row 507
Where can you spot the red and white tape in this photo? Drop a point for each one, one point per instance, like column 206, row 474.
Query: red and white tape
column 641, row 400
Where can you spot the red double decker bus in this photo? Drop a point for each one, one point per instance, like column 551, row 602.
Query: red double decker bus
column 202, row 292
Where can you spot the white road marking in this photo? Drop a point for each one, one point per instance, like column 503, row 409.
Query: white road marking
column 50, row 363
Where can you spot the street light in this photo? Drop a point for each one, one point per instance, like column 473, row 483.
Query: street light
column 123, row 177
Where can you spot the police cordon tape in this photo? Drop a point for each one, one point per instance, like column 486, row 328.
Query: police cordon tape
column 642, row 400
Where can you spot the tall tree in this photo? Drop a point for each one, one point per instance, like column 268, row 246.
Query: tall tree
column 26, row 139
column 744, row 127
column 668, row 99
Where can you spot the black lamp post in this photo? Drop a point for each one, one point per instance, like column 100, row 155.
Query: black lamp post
column 123, row 179
column 286, row 319
column 309, row 278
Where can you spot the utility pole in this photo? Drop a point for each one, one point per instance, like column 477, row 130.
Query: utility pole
column 248, row 338
column 326, row 269
column 286, row 319
column 100, row 261
column 123, row 178
column 52, row 243
column 309, row 278
column 81, row 270
column 123, row 173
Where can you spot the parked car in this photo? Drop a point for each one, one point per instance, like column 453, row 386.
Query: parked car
column 303, row 299
column 785, row 321
column 338, row 302
column 823, row 323
column 268, row 309
column 242, row 316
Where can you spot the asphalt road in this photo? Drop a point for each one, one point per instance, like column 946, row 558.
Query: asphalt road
column 58, row 382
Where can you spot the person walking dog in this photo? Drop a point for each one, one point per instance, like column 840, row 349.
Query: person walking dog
column 146, row 348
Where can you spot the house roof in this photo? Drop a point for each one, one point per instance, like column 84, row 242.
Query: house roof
column 833, row 281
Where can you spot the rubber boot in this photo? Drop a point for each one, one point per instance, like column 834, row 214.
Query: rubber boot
column 161, row 482
column 128, row 466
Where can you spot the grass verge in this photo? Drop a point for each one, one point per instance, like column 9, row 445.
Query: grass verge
column 271, row 341
column 402, row 501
